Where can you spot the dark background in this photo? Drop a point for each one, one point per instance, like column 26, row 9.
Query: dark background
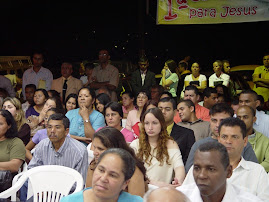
column 76, row 30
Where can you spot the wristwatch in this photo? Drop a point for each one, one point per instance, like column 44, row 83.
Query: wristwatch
column 87, row 121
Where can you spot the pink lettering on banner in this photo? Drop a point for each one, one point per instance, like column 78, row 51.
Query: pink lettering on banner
column 170, row 16
column 238, row 11
column 182, row 4
column 202, row 12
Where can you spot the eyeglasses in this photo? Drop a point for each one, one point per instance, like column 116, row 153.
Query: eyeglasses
column 103, row 54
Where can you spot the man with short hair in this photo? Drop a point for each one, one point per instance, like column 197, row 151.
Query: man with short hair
column 258, row 141
column 167, row 194
column 192, row 93
column 59, row 149
column 29, row 96
column 250, row 98
column 105, row 75
column 66, row 84
column 184, row 137
column 247, row 175
column 210, row 97
column 142, row 78
column 186, row 111
column 156, row 92
column 38, row 75
column 218, row 113
column 210, row 173
column 261, row 78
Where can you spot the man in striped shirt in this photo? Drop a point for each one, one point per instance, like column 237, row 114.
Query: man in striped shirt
column 59, row 149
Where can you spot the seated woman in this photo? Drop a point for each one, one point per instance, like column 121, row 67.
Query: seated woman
column 40, row 134
column 113, row 116
column 218, row 77
column 12, row 149
column 158, row 151
column 112, row 175
column 195, row 78
column 101, row 101
column 110, row 138
column 71, row 102
column 13, row 105
column 127, row 103
column 133, row 118
column 40, row 97
column 169, row 78
column 84, row 121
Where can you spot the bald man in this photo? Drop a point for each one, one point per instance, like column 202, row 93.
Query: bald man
column 168, row 194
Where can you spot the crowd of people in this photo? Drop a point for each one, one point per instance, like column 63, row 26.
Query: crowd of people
column 187, row 138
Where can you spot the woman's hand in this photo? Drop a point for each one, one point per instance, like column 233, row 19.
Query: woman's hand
column 176, row 183
column 84, row 112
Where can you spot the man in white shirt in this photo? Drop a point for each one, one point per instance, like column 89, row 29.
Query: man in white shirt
column 249, row 176
column 250, row 98
column 210, row 172
column 38, row 75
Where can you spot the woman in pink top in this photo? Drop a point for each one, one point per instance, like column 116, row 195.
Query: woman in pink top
column 127, row 103
column 113, row 116
column 133, row 118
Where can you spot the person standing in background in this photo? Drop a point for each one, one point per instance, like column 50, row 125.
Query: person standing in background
column 37, row 74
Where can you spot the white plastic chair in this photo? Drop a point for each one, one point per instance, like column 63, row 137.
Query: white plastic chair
column 49, row 183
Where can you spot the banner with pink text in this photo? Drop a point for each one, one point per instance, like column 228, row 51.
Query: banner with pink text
column 211, row 11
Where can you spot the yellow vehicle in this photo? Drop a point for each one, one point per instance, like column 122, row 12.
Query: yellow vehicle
column 244, row 73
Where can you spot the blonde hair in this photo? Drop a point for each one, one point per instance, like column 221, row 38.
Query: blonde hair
column 20, row 115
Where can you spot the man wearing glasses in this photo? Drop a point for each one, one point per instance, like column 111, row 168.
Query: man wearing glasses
column 105, row 75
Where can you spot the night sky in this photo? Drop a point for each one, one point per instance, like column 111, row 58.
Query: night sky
column 77, row 30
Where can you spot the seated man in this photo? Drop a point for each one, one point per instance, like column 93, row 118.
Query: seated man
column 59, row 149
column 250, row 98
column 66, row 84
column 210, row 173
column 218, row 113
column 186, row 111
column 192, row 93
column 184, row 137
column 210, row 97
column 249, row 176
column 258, row 141
column 156, row 92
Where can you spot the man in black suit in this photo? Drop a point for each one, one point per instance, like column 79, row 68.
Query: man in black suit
column 184, row 137
column 142, row 78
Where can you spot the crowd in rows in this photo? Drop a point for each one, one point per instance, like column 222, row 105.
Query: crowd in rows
column 161, row 130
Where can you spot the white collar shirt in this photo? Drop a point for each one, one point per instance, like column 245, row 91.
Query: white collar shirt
column 262, row 123
column 233, row 193
column 249, row 176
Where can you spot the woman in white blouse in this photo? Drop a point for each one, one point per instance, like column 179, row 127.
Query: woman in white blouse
column 159, row 151
column 218, row 77
column 195, row 78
